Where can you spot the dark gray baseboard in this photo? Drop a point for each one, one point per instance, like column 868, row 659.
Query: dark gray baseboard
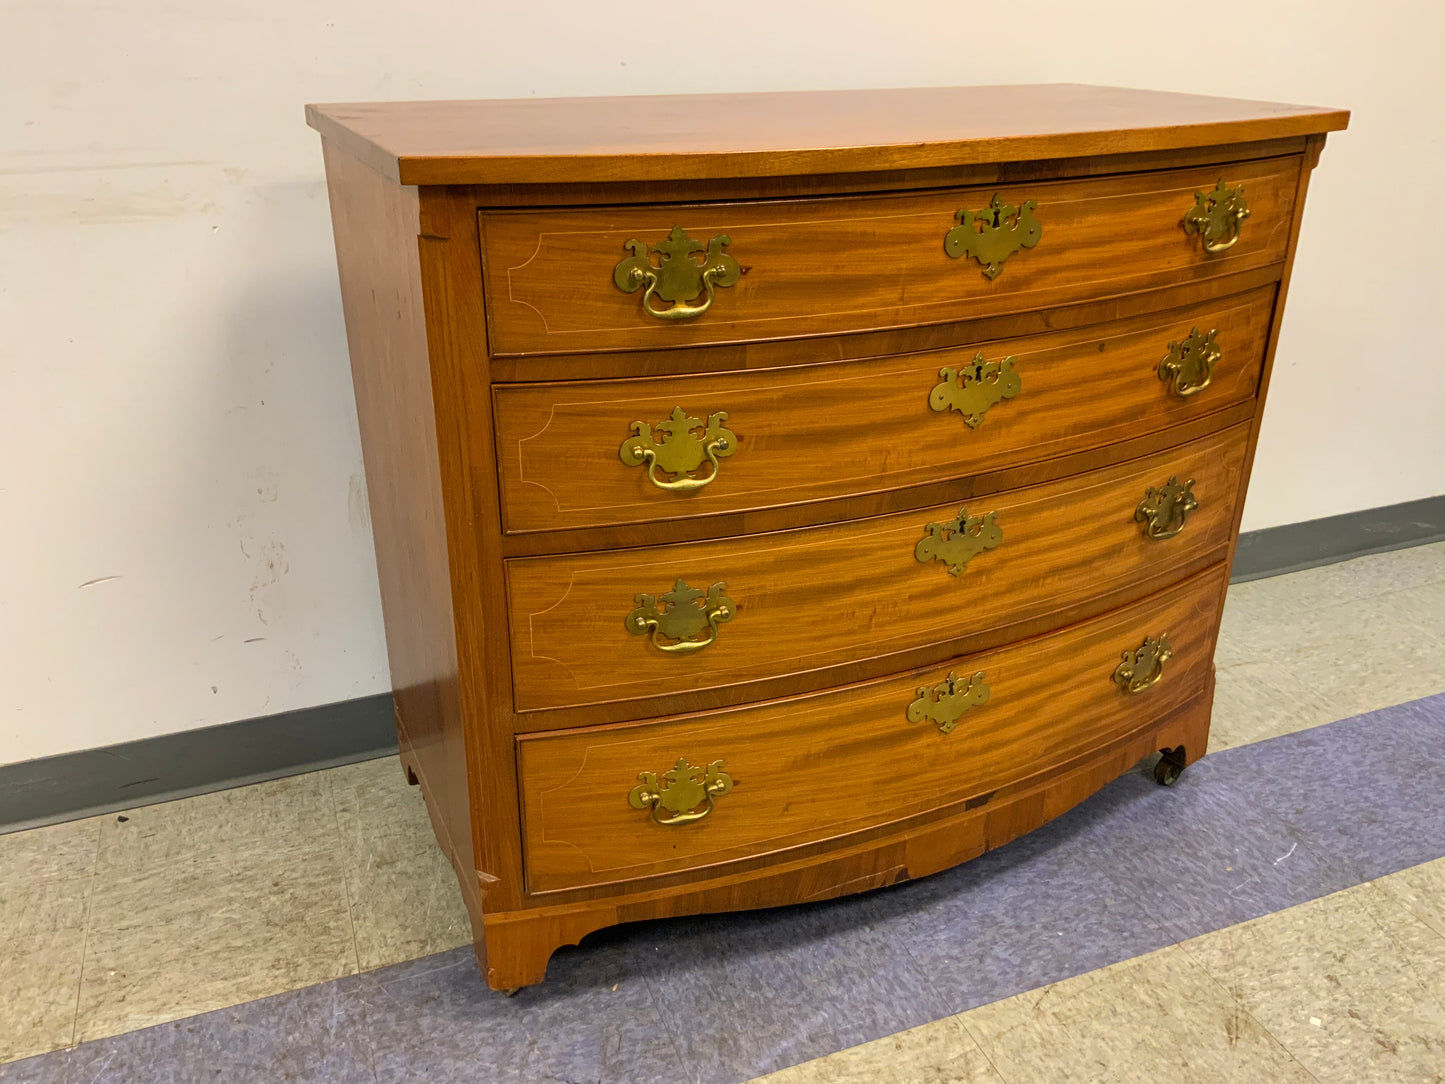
column 158, row 769
column 135, row 773
column 1297, row 546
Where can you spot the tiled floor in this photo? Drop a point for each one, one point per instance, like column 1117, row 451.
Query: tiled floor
column 1274, row 940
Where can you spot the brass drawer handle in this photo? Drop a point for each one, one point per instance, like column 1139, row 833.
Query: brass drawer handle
column 972, row 389
column 1189, row 365
column 676, row 277
column 683, row 789
column 945, row 702
column 1164, row 509
column 1216, row 216
column 680, row 619
column 959, row 540
column 1143, row 668
column 988, row 238
column 681, row 450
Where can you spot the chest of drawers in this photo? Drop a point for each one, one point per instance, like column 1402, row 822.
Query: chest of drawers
column 780, row 496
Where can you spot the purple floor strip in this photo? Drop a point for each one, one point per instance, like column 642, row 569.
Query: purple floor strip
column 721, row 999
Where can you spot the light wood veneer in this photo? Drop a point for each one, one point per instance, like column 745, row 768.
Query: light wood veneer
column 498, row 369
column 812, row 433
column 818, row 267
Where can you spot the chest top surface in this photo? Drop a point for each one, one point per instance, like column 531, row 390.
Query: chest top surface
column 680, row 137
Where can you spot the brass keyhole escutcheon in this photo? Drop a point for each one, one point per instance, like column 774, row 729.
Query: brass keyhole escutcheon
column 943, row 704
column 993, row 234
column 682, row 446
column 959, row 541
column 1189, row 365
column 1143, row 668
column 972, row 389
column 1216, row 216
column 680, row 616
column 1164, row 508
column 684, row 792
column 677, row 277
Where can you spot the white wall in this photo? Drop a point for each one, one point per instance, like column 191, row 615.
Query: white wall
column 177, row 414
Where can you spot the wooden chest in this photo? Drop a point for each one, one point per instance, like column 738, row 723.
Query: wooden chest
column 779, row 496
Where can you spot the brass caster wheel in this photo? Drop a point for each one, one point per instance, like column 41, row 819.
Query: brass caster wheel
column 1170, row 767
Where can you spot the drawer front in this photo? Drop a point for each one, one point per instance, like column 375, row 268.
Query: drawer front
column 820, row 267
column 793, row 601
column 573, row 455
column 818, row 767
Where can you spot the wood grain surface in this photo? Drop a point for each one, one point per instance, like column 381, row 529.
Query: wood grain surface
column 529, row 140
column 783, row 353
column 509, row 559
column 827, row 596
column 518, row 943
column 819, row 267
column 375, row 225
column 819, row 767
column 811, row 433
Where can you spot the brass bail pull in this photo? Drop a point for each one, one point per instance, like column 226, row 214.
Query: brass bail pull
column 1164, row 509
column 1143, row 668
column 1217, row 216
column 678, row 447
column 677, row 277
column 674, row 621
column 1189, row 365
column 685, row 793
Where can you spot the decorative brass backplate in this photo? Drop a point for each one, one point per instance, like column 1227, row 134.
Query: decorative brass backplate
column 1216, row 216
column 972, row 389
column 676, row 277
column 945, row 702
column 959, row 540
column 1189, row 366
column 680, row 450
column 681, row 792
column 1142, row 668
column 679, row 618
column 989, row 238
column 1164, row 509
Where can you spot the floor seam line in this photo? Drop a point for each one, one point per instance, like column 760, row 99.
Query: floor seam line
column 85, row 937
column 345, row 874
column 1212, row 977
column 981, row 1048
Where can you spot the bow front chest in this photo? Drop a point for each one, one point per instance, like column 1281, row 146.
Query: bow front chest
column 778, row 496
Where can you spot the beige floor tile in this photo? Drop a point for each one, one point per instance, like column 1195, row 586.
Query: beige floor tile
column 1352, row 984
column 183, row 934
column 1342, row 582
column 405, row 900
column 1312, row 647
column 1255, row 702
column 1421, row 891
column 1341, row 660
column 1425, row 606
column 46, row 878
column 1158, row 1017
column 373, row 797
column 261, row 817
column 939, row 1053
column 1378, row 573
column 57, row 850
column 1271, row 602
column 31, row 909
column 38, row 981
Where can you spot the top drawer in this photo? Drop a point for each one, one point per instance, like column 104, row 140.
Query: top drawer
column 767, row 270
